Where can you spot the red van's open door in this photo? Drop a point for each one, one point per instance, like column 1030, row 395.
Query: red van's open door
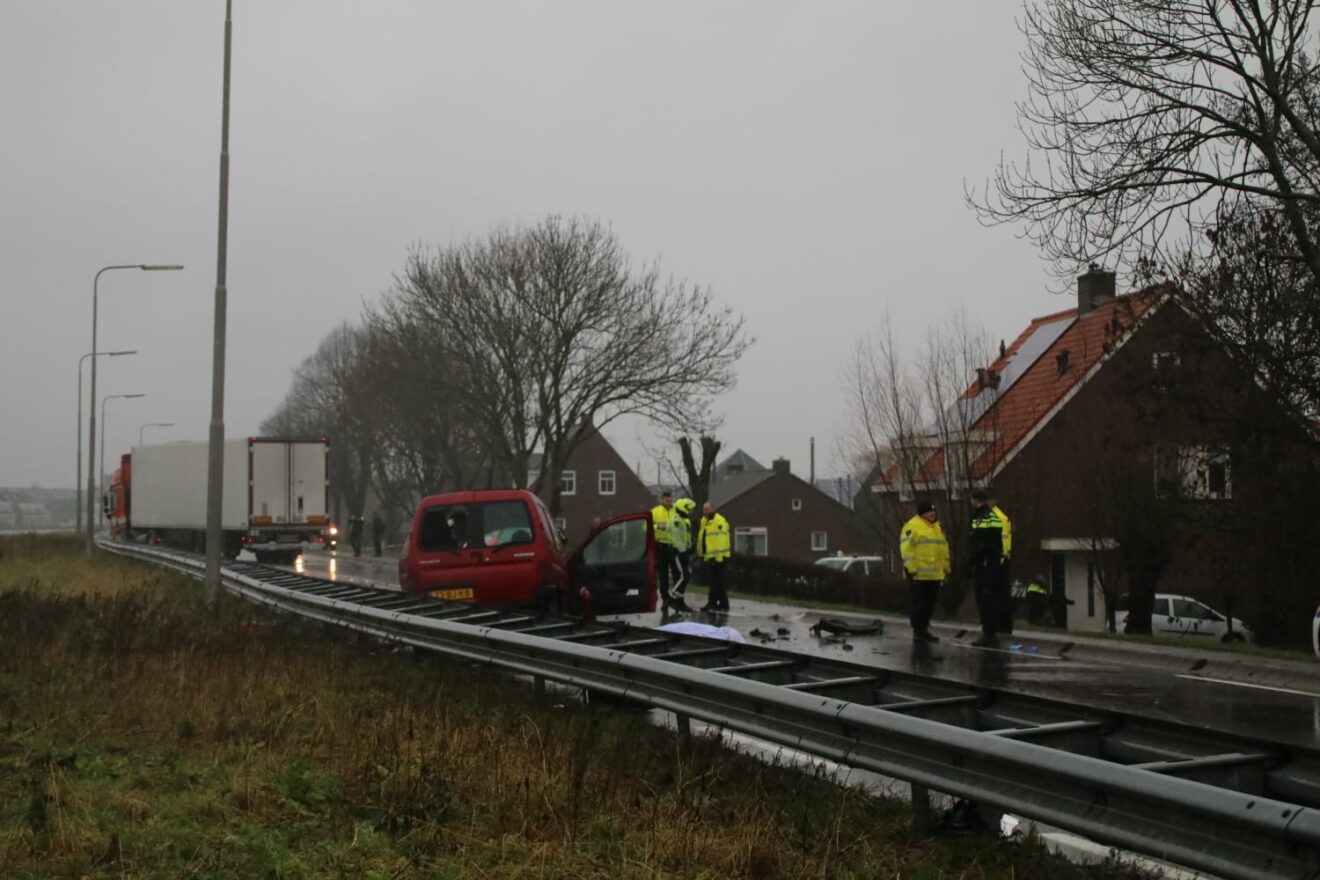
column 614, row 571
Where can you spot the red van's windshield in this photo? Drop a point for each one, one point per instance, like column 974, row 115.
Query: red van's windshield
column 481, row 524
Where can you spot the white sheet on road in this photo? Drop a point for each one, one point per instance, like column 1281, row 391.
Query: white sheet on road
column 705, row 630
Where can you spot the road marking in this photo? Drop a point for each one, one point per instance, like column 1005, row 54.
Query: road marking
column 1259, row 687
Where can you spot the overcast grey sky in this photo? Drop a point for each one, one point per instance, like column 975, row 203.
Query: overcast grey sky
column 805, row 160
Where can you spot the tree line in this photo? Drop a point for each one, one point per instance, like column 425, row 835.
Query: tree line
column 484, row 353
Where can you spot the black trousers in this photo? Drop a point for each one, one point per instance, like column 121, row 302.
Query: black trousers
column 922, row 596
column 986, row 580
column 664, row 563
column 683, row 562
column 718, row 599
column 1004, row 598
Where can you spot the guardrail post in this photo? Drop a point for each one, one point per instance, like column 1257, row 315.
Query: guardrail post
column 921, row 821
column 538, row 686
column 683, row 722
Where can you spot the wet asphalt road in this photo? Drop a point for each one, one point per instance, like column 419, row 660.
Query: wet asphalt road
column 1285, row 717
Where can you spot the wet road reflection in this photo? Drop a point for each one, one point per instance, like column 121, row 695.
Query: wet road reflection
column 1285, row 718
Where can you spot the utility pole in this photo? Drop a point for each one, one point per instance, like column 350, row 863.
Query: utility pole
column 216, row 449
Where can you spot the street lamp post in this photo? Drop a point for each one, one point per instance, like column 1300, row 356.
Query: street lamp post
column 91, row 417
column 77, row 439
column 215, row 465
column 149, row 425
column 103, row 403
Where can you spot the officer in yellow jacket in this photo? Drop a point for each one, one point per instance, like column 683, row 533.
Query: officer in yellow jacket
column 713, row 546
column 664, row 545
column 925, row 554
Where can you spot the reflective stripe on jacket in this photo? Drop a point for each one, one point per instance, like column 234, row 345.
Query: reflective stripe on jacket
column 713, row 538
column 660, row 520
column 985, row 544
column 1008, row 530
column 924, row 550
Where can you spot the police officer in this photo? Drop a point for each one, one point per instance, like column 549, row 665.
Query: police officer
column 680, row 538
column 713, row 547
column 664, row 545
column 925, row 554
column 985, row 558
column 1004, row 587
column 355, row 524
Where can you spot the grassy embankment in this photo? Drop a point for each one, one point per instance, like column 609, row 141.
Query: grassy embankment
column 141, row 738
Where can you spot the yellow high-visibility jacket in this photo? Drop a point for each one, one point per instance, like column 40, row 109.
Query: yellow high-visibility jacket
column 924, row 550
column 1008, row 531
column 660, row 522
column 713, row 540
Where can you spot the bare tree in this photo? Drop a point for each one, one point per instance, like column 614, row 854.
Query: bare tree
column 1256, row 290
column 330, row 396
column 550, row 332
column 1146, row 115
column 886, row 410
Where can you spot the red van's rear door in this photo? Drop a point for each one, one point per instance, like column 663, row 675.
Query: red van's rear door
column 616, row 566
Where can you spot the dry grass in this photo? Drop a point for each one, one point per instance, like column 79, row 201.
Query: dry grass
column 140, row 738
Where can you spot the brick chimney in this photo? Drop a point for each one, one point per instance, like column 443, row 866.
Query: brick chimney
column 781, row 466
column 1093, row 288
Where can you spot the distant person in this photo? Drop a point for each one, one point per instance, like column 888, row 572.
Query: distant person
column 377, row 531
column 355, row 524
column 925, row 554
column 458, row 529
column 713, row 548
column 1037, row 599
column 985, row 557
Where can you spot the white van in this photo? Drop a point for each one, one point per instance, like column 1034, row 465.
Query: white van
column 1184, row 616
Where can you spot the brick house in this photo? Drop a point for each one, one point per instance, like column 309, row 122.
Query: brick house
column 1124, row 442
column 596, row 484
column 775, row 513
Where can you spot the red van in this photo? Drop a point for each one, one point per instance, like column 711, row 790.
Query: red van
column 500, row 547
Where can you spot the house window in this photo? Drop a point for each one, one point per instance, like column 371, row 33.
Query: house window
column 797, row 503
column 1164, row 367
column 568, row 483
column 751, row 541
column 1163, row 362
column 1201, row 473
column 820, row 541
column 605, row 482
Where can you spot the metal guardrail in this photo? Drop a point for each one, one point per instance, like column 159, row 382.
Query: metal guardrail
column 1213, row 803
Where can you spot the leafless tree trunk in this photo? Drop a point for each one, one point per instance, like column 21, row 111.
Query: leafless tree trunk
column 1146, row 115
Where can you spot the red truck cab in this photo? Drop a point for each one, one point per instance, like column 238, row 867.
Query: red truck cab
column 501, row 547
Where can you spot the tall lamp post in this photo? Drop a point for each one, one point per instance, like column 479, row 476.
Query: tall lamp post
column 77, row 438
column 104, row 400
column 91, row 417
column 150, row 425
column 215, row 465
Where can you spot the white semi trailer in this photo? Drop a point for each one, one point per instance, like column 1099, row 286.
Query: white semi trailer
column 275, row 496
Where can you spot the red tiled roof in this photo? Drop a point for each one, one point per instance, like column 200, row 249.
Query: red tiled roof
column 1033, row 397
column 1040, row 386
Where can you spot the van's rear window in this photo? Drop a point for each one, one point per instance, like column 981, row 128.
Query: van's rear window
column 464, row 526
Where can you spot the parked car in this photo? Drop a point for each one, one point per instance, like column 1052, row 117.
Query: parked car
column 500, row 547
column 1184, row 616
column 861, row 565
